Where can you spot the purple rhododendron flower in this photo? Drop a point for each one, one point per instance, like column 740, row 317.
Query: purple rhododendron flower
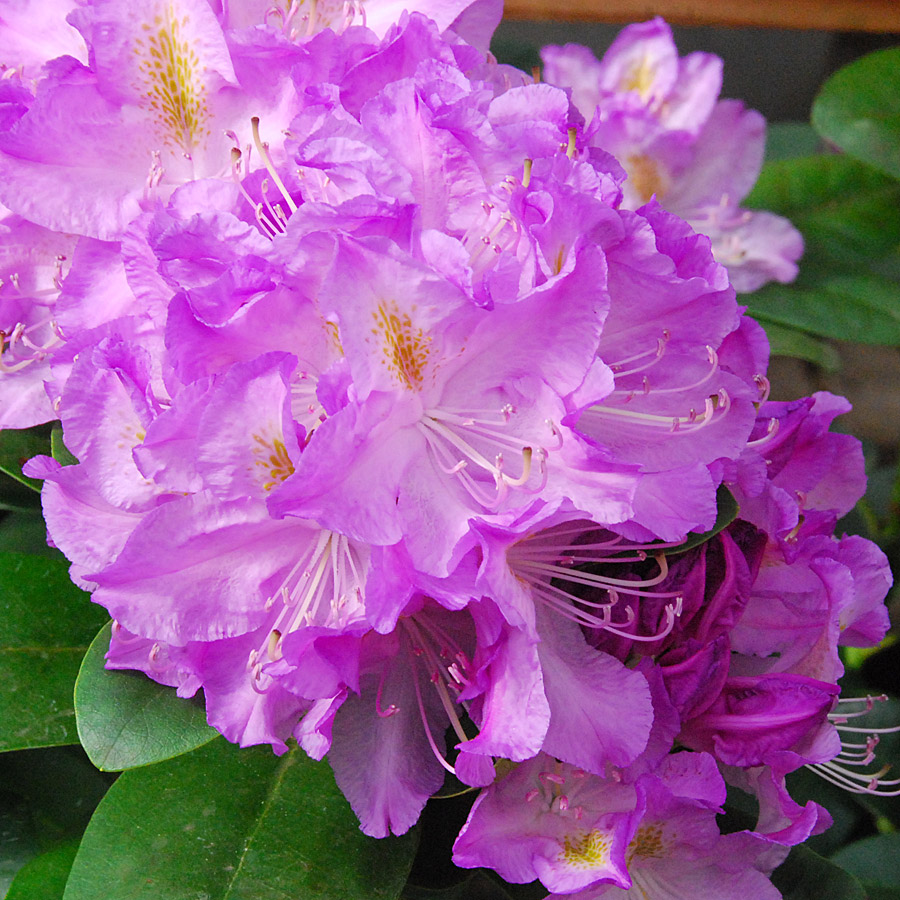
column 699, row 156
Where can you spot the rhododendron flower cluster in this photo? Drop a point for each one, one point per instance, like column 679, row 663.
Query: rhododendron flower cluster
column 404, row 431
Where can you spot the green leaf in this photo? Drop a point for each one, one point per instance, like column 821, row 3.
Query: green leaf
column 59, row 786
column 858, row 109
column 880, row 891
column 125, row 719
column 47, row 797
column 805, row 875
column 58, row 450
column 849, row 816
column 787, row 140
column 44, row 876
column 17, row 446
column 876, row 859
column 863, row 309
column 844, row 206
column 849, row 282
column 787, row 341
column 18, row 841
column 222, row 823
column 25, row 531
column 46, row 625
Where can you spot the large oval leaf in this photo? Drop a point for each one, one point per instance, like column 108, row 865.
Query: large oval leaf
column 44, row 876
column 47, row 797
column 787, row 341
column 858, row 109
column 849, row 282
column 223, row 823
column 877, row 859
column 46, row 625
column 125, row 719
column 805, row 875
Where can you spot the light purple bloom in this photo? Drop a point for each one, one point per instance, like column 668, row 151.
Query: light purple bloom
column 33, row 262
column 589, row 837
column 660, row 116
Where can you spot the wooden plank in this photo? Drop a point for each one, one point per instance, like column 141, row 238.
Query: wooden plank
column 829, row 15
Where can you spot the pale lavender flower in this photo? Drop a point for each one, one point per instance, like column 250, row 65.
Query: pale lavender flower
column 587, row 837
column 660, row 116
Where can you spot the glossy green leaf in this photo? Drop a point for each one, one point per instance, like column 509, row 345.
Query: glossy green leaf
column 805, row 875
column 46, row 625
column 787, row 341
column 17, row 446
column 44, row 876
column 58, row 450
column 223, row 823
column 858, row 109
column 59, row 786
column 126, row 719
column 845, row 209
column 875, row 859
column 849, row 282
column 859, row 308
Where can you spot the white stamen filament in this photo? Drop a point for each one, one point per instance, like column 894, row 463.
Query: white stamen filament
column 421, row 636
column 646, row 387
column 655, row 356
column 486, row 240
column 841, row 771
column 21, row 350
column 771, row 431
column 323, row 587
column 305, row 406
column 547, row 558
column 450, row 436
column 263, row 150
column 715, row 406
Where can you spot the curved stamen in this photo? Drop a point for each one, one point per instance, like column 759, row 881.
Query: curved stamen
column 647, row 389
column 771, row 430
column 431, row 742
column 655, row 355
column 18, row 345
column 263, row 150
column 388, row 711
column 324, row 586
column 450, row 436
column 842, row 769
column 541, row 564
column 717, row 403
column 591, row 580
column 305, row 406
